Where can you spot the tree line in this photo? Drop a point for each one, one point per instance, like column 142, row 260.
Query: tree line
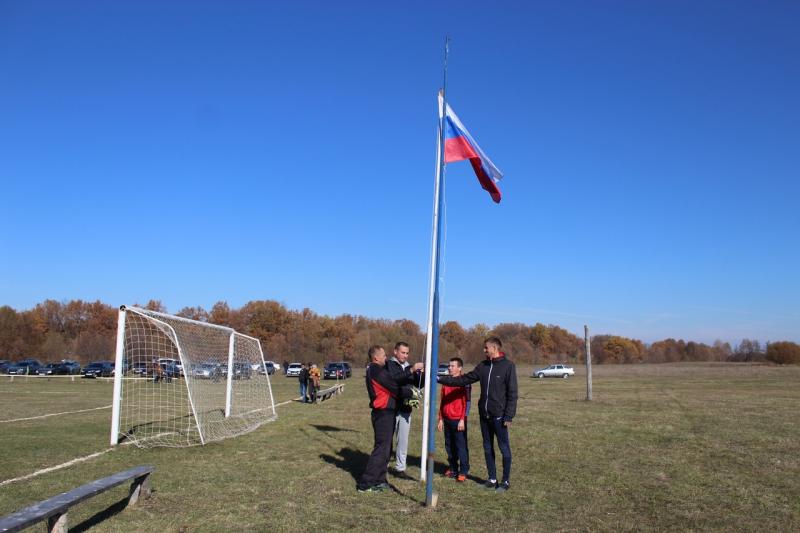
column 86, row 331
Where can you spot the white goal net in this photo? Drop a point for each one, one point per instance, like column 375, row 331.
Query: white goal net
column 186, row 382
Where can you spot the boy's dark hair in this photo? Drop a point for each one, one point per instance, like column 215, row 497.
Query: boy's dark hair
column 457, row 360
column 401, row 343
column 495, row 341
column 373, row 350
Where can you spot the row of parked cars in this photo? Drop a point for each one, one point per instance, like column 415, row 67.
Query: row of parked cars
column 34, row 367
column 66, row 367
column 170, row 367
column 336, row 370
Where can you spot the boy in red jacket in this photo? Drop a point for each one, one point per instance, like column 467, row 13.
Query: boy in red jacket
column 453, row 411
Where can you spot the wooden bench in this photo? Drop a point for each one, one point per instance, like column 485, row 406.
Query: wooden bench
column 55, row 509
column 327, row 393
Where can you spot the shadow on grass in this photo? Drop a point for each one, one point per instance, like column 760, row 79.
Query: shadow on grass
column 353, row 462
column 326, row 429
column 103, row 515
column 440, row 468
column 350, row 460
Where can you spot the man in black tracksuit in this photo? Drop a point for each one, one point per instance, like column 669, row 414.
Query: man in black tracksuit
column 496, row 406
column 385, row 394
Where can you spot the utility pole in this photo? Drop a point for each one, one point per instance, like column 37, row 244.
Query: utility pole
column 588, row 363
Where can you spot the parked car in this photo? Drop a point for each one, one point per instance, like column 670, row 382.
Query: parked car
column 207, row 370
column 24, row 367
column 171, row 370
column 242, row 371
column 48, row 370
column 339, row 370
column 444, row 369
column 554, row 371
column 3, row 365
column 139, row 368
column 99, row 369
column 293, row 370
column 237, row 371
column 165, row 361
column 68, row 367
column 271, row 367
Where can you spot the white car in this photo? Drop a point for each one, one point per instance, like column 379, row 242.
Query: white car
column 293, row 370
column 554, row 371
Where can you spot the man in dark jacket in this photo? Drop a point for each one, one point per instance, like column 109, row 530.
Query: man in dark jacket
column 384, row 397
column 400, row 369
column 496, row 406
column 302, row 378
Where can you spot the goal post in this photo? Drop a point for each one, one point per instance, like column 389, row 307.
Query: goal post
column 181, row 382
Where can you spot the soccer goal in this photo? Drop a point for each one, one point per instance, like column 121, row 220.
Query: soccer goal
column 181, row 382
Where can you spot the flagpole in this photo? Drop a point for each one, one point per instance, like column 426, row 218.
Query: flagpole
column 432, row 343
column 423, row 471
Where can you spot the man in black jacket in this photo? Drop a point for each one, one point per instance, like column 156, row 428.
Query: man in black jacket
column 401, row 371
column 496, row 406
column 302, row 379
column 384, row 396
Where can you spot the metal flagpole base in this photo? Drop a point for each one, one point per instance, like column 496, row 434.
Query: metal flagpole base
column 434, row 501
column 431, row 497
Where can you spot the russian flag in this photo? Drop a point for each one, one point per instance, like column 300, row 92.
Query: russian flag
column 459, row 145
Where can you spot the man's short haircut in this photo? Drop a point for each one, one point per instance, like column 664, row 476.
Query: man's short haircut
column 373, row 350
column 495, row 341
column 457, row 360
column 401, row 343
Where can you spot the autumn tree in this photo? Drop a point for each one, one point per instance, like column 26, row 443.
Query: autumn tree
column 262, row 319
column 154, row 305
column 54, row 347
column 194, row 313
column 722, row 350
column 10, row 326
column 616, row 349
column 541, row 341
column 748, row 350
column 783, row 353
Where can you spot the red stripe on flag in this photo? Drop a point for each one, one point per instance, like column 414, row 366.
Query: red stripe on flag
column 487, row 183
column 458, row 149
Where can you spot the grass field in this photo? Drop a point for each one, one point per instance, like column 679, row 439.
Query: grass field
column 713, row 447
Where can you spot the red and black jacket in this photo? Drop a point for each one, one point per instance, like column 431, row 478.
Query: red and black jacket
column 384, row 392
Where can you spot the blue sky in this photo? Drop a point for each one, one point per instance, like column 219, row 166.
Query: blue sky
column 202, row 151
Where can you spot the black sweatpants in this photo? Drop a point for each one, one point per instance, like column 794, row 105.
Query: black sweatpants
column 383, row 426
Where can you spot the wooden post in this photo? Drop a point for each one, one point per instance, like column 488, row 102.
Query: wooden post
column 588, row 364
column 58, row 523
column 140, row 488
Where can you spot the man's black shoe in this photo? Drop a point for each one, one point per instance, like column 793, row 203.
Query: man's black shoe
column 401, row 474
column 380, row 487
column 502, row 487
column 490, row 484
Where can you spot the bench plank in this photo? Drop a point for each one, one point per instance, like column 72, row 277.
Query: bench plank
column 327, row 393
column 58, row 505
